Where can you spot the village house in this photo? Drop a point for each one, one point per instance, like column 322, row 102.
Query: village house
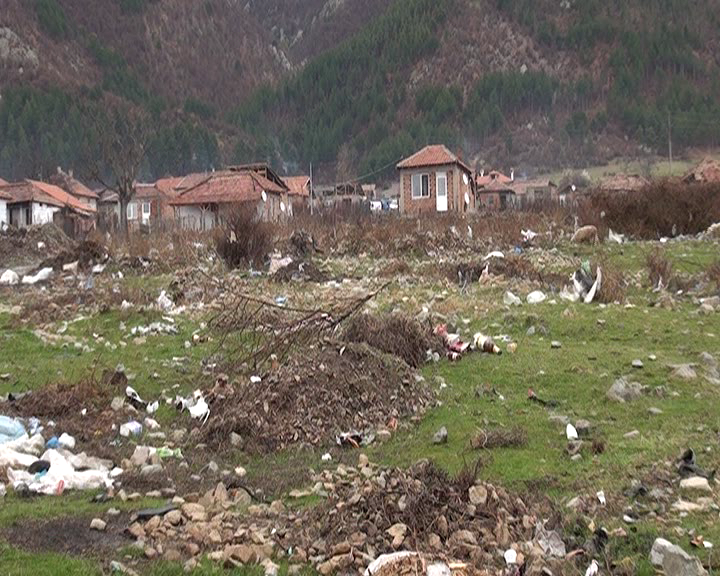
column 298, row 191
column 203, row 206
column 34, row 203
column 74, row 187
column 434, row 180
column 534, row 191
column 495, row 190
column 707, row 171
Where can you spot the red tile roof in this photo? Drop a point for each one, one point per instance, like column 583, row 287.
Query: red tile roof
column 434, row 155
column 228, row 187
column 4, row 195
column 172, row 187
column 298, row 185
column 71, row 185
column 492, row 176
column 33, row 191
column 3, row 182
column 708, row 170
column 63, row 197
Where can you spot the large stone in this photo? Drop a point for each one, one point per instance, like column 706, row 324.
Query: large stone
column 136, row 530
column 695, row 483
column 674, row 560
column 441, row 436
column 242, row 553
column 684, row 372
column 624, row 391
column 462, row 538
column 235, row 440
column 174, row 517
column 583, row 428
column 151, row 470
column 98, row 524
column 195, row 512
column 478, row 495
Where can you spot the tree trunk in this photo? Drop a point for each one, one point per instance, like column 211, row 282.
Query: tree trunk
column 123, row 201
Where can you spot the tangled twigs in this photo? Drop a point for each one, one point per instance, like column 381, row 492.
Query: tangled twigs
column 253, row 330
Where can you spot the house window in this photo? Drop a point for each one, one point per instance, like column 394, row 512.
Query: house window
column 132, row 211
column 146, row 210
column 420, row 186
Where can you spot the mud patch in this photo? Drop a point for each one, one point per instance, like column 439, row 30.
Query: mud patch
column 68, row 535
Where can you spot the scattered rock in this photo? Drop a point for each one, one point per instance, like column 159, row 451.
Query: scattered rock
column 478, row 495
column 441, row 436
column 637, row 363
column 695, row 483
column 684, row 372
column 583, row 428
column 555, row 344
column 151, row 470
column 632, row 434
column 98, row 524
column 654, row 411
column 674, row 560
column 624, row 391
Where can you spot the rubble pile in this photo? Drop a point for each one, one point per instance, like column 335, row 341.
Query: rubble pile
column 311, row 398
column 369, row 511
column 301, row 270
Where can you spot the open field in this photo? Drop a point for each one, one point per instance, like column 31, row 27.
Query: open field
column 84, row 346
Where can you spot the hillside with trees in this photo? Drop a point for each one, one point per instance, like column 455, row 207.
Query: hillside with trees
column 354, row 86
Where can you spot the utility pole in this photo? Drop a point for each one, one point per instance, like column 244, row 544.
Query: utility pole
column 312, row 200
column 670, row 143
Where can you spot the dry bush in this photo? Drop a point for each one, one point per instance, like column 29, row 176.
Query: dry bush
column 614, row 285
column 659, row 268
column 713, row 274
column 499, row 438
column 244, row 238
column 395, row 334
column 661, row 209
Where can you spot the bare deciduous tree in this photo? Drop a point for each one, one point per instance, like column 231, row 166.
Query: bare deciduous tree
column 118, row 147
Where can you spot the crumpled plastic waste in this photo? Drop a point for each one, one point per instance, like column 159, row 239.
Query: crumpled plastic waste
column 134, row 398
column 166, row 452
column 10, row 429
column 485, row 344
column 61, row 475
column 536, row 297
column 509, row 299
column 195, row 404
column 9, row 278
column 585, row 286
column 549, row 541
column 66, row 441
column 528, row 235
column 354, row 438
column 616, row 238
column 164, row 303
column 494, row 254
column 40, row 276
column 132, row 428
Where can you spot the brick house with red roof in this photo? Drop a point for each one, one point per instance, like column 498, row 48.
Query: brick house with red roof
column 434, row 180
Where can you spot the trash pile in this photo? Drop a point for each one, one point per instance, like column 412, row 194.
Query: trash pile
column 455, row 347
column 34, row 466
column 300, row 270
column 585, row 285
column 29, row 246
column 369, row 512
column 311, row 398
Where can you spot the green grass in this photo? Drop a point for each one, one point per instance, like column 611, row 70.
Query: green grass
column 578, row 376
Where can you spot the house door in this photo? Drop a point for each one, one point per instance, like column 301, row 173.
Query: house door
column 441, row 192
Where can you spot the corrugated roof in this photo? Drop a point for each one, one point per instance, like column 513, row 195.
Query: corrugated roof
column 433, row 155
column 228, row 187
column 71, row 185
column 298, row 185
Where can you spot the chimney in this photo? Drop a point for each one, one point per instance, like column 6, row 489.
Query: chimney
column 70, row 172
column 59, row 170
column 482, row 172
column 512, row 175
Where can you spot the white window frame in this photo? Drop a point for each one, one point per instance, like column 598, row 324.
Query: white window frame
column 132, row 211
column 146, row 215
column 423, row 177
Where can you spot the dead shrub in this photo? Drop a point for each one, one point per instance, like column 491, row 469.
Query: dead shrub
column 664, row 208
column 613, row 287
column 395, row 334
column 713, row 274
column 499, row 438
column 659, row 267
column 244, row 238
